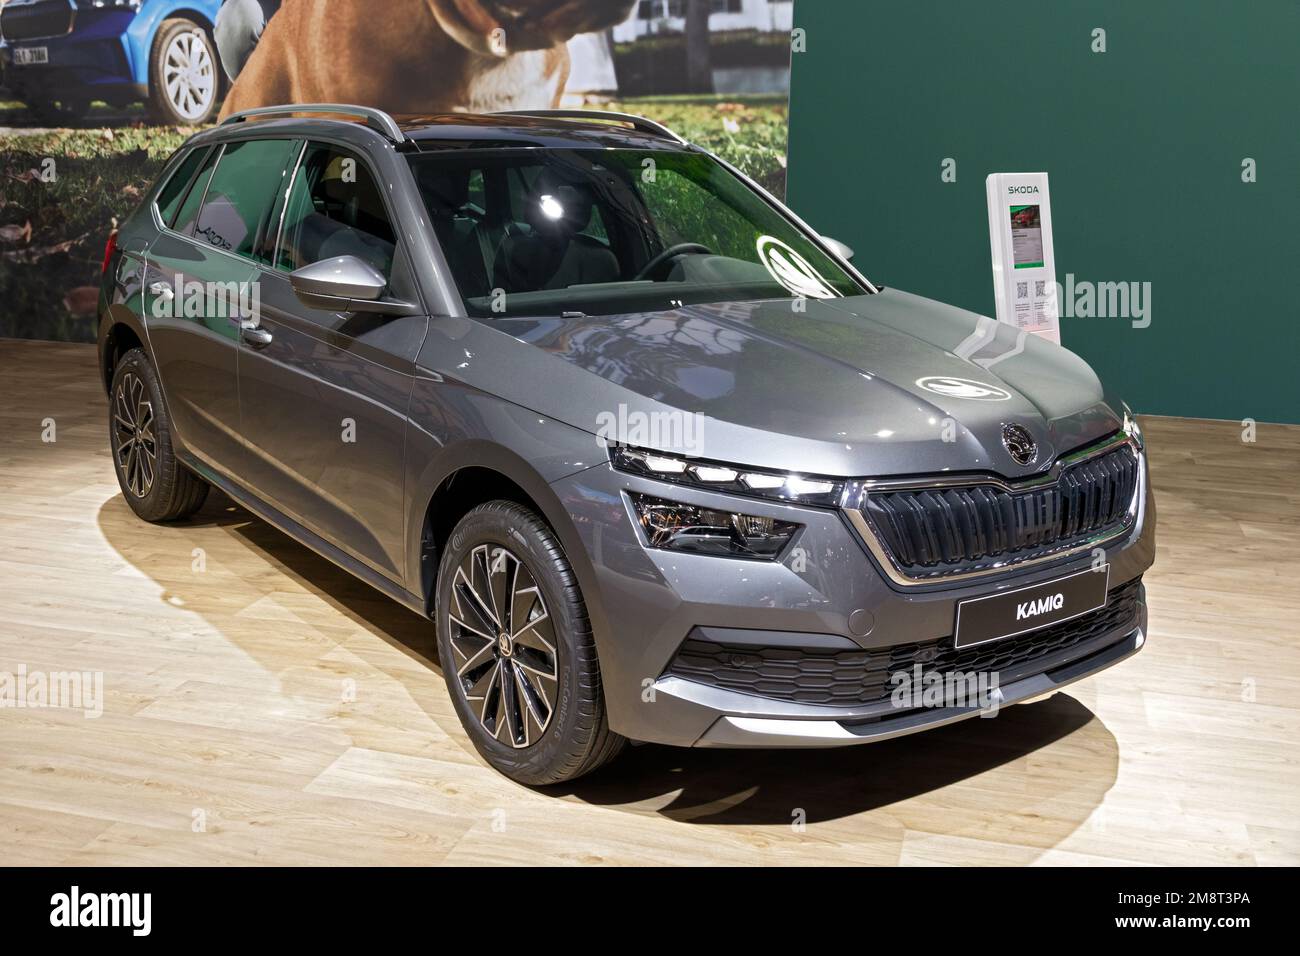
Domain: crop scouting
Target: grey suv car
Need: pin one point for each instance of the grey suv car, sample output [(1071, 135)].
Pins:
[(659, 463)]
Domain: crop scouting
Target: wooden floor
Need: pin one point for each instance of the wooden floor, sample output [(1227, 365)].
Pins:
[(271, 709)]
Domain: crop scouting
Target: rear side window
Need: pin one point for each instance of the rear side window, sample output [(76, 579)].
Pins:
[(169, 198), (236, 210), (189, 210)]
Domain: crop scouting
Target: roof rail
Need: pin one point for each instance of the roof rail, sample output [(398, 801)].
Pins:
[(639, 123), (377, 120)]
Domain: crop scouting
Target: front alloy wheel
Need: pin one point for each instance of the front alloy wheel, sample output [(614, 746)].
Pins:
[(184, 83), (504, 643), (516, 648), (188, 74)]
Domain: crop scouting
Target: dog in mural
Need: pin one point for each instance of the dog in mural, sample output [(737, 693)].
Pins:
[(419, 56)]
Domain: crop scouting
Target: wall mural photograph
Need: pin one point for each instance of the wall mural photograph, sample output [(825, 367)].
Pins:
[(95, 97)]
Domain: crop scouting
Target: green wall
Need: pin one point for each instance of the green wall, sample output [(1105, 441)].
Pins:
[(1143, 145)]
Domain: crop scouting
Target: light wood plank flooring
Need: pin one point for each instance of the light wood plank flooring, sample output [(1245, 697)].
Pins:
[(270, 709)]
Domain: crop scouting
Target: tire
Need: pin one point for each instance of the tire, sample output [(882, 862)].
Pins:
[(153, 482), (179, 44), (508, 545), (61, 110)]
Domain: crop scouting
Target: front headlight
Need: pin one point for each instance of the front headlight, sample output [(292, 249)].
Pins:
[(732, 479), (677, 526)]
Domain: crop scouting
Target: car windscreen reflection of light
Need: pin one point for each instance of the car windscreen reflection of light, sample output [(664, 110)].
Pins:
[(792, 270), (551, 207)]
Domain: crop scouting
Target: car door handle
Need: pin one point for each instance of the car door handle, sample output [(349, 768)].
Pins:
[(255, 335), (163, 290)]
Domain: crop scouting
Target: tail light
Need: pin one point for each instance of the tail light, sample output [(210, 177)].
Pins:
[(109, 248)]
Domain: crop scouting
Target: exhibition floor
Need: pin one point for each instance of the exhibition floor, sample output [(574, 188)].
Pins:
[(262, 706)]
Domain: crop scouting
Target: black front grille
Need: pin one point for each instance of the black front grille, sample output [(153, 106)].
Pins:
[(862, 677), (935, 531), (31, 21)]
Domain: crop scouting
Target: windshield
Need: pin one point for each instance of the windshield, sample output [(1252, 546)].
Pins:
[(602, 231)]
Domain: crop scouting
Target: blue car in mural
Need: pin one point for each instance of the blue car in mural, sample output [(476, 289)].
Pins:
[(60, 55)]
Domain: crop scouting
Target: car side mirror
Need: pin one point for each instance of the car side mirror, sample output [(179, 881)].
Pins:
[(839, 248), (346, 284)]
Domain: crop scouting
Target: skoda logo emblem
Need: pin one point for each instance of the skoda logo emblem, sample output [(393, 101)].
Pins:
[(962, 388), (1020, 445)]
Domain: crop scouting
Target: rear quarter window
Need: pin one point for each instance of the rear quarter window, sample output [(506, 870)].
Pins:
[(170, 196), (183, 221)]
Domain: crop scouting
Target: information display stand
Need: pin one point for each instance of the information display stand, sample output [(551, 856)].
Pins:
[(1024, 266)]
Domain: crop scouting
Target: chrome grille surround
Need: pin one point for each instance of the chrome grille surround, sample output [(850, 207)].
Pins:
[(855, 494)]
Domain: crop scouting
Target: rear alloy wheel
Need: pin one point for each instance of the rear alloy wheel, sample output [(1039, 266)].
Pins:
[(183, 75), (516, 648), (135, 444), (154, 483)]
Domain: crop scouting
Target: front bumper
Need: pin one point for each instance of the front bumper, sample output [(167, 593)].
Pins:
[(827, 591), (737, 730), (93, 60)]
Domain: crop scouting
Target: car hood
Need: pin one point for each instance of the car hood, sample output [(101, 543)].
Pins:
[(883, 384)]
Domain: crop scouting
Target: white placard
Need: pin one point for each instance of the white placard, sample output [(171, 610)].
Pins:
[(1024, 265)]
